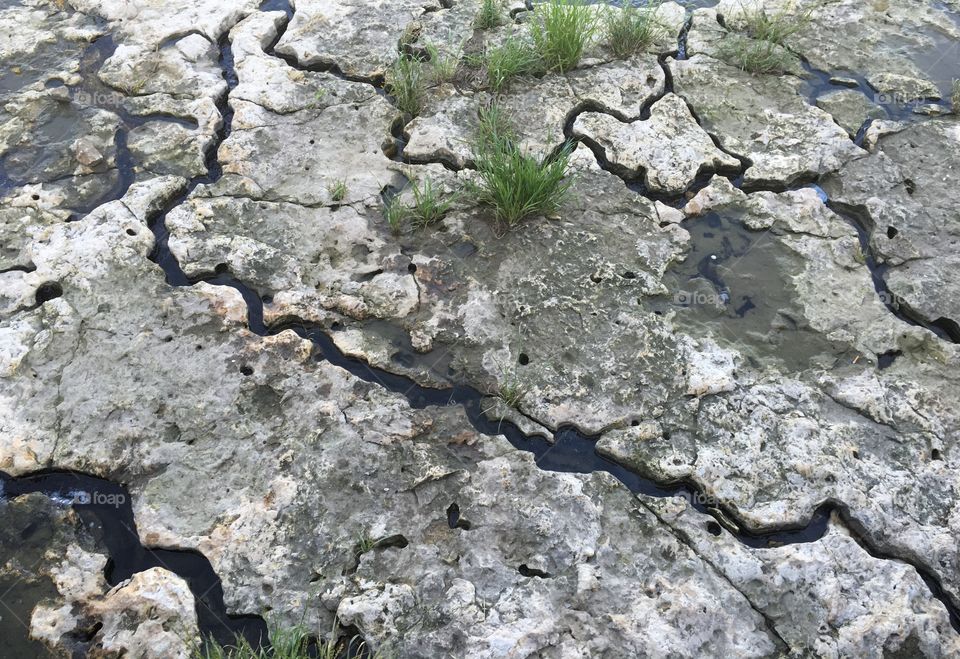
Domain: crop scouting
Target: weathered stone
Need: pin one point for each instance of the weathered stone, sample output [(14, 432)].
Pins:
[(904, 191), (763, 119), (850, 109), (358, 37), (668, 150)]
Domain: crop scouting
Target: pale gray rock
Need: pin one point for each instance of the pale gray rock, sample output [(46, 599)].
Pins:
[(903, 192), (903, 49), (763, 119), (850, 108), (848, 607), (668, 150), (358, 37)]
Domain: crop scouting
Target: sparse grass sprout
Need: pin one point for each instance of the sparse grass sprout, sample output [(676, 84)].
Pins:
[(338, 190)]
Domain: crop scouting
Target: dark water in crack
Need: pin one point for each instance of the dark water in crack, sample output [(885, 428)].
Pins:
[(106, 511)]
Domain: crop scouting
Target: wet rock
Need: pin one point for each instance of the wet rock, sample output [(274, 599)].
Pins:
[(903, 51), (620, 88), (763, 119), (849, 592), (186, 68), (668, 150), (850, 109), (337, 260), (902, 192), (168, 148), (153, 23)]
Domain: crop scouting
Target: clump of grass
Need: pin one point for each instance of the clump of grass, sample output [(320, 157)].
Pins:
[(443, 66), (762, 48), (406, 82), (632, 29), (512, 58), (338, 190), (512, 392), (365, 543), (395, 213), (561, 30), (294, 642), (429, 205), (774, 28), (754, 56), (516, 184), (955, 97), (490, 15)]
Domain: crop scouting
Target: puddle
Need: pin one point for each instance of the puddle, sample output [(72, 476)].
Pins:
[(31, 528), (105, 510), (732, 287)]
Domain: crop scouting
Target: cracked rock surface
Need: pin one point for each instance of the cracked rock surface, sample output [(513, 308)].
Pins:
[(706, 408)]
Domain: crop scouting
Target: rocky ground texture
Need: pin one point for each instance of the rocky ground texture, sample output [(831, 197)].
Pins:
[(709, 408)]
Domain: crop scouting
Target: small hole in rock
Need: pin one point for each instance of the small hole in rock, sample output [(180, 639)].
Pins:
[(635, 423), (892, 232), (48, 291), (35, 197), (524, 359), (935, 455), (412, 268), (131, 232), (246, 370), (267, 299), (629, 275), (221, 269), (713, 528)]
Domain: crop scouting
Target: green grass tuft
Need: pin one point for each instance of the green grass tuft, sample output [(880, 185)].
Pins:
[(512, 58), (512, 392), (754, 56), (396, 214), (631, 30), (294, 642), (490, 15), (774, 28), (561, 30), (407, 84), (760, 46), (365, 543), (516, 184), (338, 190), (443, 66), (429, 205)]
